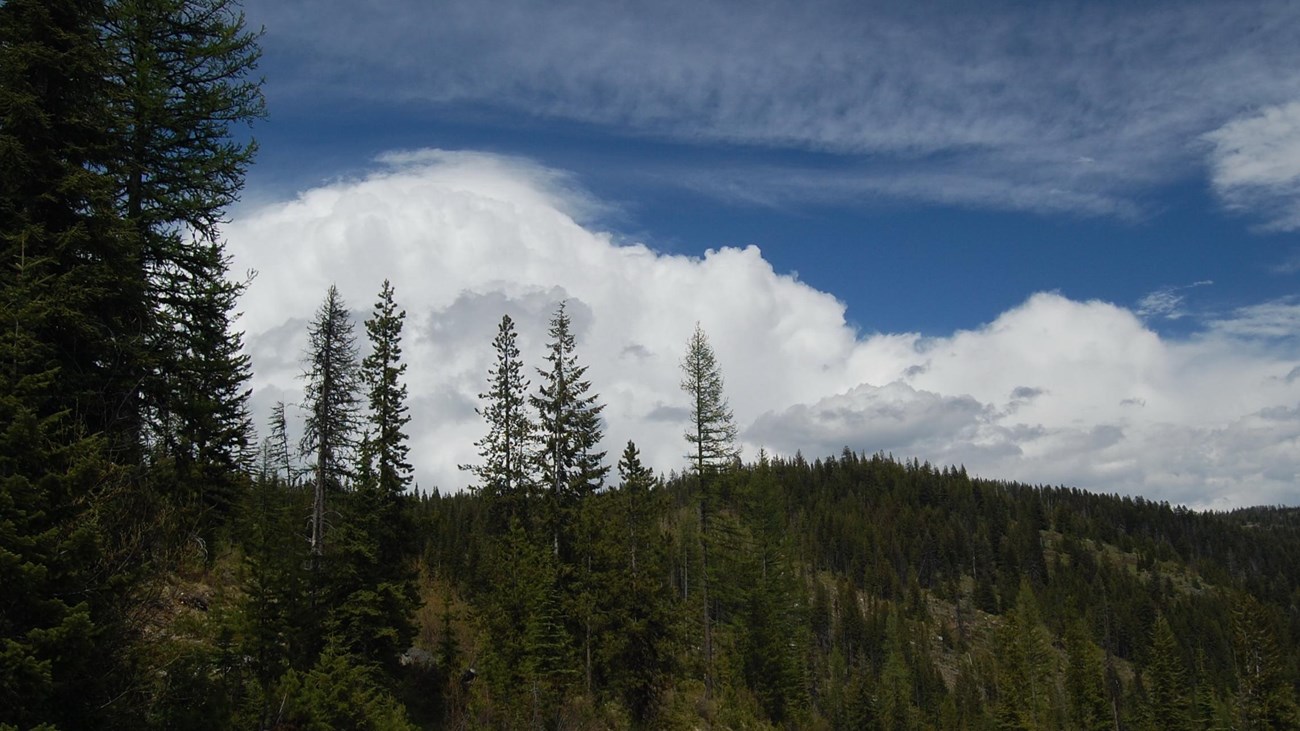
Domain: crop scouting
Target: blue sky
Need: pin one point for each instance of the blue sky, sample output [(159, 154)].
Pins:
[(941, 174)]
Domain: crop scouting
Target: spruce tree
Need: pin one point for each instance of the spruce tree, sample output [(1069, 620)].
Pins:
[(69, 346), (181, 77), (1166, 681), (373, 586), (281, 459), (712, 435), (1085, 680), (504, 472), (331, 401), (382, 370), (568, 429)]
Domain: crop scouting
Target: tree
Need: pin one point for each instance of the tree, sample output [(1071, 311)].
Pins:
[(504, 477), (1085, 680), (1166, 681), (1026, 666), (636, 641), (712, 434), (70, 310), (72, 298), (333, 379), (569, 428), (278, 445), (382, 371), (1265, 698), (180, 76)]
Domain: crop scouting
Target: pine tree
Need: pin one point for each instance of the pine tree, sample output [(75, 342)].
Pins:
[(329, 430), (639, 630), (1027, 666), (72, 297), (382, 370), (180, 75), (1265, 700), (281, 459), (1166, 682), (568, 428), (712, 433), (504, 475), (1085, 680), (69, 348)]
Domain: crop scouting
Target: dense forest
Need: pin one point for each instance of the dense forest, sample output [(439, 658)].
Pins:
[(163, 567)]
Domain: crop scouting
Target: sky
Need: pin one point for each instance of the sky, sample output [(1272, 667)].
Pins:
[(1051, 242)]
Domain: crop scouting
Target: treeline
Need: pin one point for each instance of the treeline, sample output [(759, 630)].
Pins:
[(860, 592)]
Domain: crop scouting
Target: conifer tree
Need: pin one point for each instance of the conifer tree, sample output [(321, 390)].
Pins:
[(181, 78), (69, 314), (374, 588), (281, 458), (568, 428), (712, 435), (1166, 681), (504, 475), (1085, 680), (1027, 666), (1265, 700), (330, 398), (712, 431), (382, 370)]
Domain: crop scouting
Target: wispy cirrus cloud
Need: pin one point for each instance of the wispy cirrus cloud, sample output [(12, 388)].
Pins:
[(1255, 165), (1167, 302), (1050, 107)]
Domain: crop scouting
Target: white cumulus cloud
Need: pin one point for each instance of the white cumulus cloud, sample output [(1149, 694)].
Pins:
[(1054, 390)]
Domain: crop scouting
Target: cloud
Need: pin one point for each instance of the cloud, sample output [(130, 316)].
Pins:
[(1167, 302), (1077, 107), (1045, 393), (1255, 164)]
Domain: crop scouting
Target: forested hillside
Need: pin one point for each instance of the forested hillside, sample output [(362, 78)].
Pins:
[(163, 567)]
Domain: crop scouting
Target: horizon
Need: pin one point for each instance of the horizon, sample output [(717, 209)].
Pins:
[(1059, 250)]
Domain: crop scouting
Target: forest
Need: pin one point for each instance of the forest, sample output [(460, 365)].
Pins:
[(163, 566)]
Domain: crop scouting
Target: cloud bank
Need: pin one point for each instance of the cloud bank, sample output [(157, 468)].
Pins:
[(1080, 107), (1052, 391)]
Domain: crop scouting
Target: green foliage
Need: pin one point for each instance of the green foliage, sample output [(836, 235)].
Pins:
[(1085, 681), (330, 401), (505, 452), (1166, 681), (569, 433), (179, 74), (712, 431), (382, 370), (337, 692)]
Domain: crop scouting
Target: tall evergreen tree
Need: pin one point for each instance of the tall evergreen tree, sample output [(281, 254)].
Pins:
[(1085, 680), (504, 473), (331, 400), (1265, 699), (568, 428), (181, 77), (1026, 666), (1166, 681), (712, 431), (69, 343), (281, 458), (374, 587), (72, 297), (382, 370), (712, 435)]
